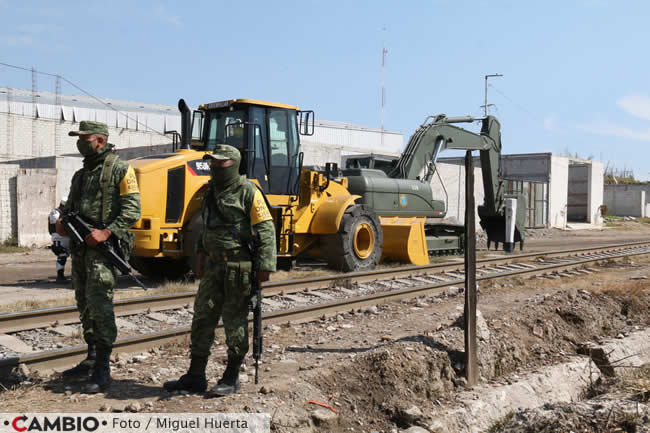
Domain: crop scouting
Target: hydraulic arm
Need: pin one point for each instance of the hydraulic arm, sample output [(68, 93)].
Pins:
[(437, 134)]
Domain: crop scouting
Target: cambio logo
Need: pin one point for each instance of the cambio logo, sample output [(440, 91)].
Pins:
[(58, 423)]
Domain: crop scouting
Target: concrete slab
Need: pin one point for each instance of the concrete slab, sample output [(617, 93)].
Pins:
[(620, 356), (14, 344), (481, 406), (563, 382)]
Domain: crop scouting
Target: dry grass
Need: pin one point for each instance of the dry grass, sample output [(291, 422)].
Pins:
[(34, 304), (296, 275), (638, 384), (10, 245)]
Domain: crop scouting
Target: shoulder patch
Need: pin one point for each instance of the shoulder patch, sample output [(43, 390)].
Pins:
[(259, 210), (129, 183)]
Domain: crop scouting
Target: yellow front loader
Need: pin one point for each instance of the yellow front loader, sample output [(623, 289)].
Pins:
[(314, 213)]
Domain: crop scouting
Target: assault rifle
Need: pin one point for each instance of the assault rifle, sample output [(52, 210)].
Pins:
[(256, 299), (78, 229)]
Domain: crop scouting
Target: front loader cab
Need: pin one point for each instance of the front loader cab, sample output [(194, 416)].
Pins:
[(266, 133)]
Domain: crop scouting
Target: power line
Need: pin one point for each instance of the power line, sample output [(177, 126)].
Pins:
[(83, 91), (522, 108)]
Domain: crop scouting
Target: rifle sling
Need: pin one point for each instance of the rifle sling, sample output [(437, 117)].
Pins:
[(107, 171)]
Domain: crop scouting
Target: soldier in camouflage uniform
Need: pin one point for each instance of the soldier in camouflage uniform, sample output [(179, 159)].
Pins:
[(234, 214), (105, 193)]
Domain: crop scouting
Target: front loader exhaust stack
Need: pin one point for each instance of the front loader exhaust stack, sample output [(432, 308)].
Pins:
[(186, 124)]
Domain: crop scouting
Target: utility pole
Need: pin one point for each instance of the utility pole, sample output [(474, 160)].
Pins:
[(486, 89), (469, 318)]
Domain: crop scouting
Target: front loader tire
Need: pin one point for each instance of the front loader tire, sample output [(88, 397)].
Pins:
[(358, 244)]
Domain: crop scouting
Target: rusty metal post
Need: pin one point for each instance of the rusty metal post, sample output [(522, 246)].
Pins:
[(471, 348)]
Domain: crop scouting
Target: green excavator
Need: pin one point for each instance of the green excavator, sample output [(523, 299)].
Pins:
[(404, 191)]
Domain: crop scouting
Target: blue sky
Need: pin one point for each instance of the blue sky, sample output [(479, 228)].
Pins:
[(576, 73)]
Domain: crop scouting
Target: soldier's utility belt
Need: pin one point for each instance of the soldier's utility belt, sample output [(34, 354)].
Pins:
[(236, 255)]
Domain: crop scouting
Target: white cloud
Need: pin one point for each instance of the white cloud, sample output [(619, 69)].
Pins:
[(613, 130), (636, 105)]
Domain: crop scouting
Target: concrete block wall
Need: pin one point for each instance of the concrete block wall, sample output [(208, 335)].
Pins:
[(578, 192), (8, 218), (35, 195), (16, 140), (533, 167), (622, 202), (631, 187)]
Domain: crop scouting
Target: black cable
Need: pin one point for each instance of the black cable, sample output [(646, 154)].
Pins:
[(83, 91)]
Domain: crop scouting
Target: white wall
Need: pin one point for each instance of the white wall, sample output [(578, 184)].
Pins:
[(452, 175), (596, 192), (557, 187)]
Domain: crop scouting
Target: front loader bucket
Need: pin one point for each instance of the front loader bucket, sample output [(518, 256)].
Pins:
[(404, 240)]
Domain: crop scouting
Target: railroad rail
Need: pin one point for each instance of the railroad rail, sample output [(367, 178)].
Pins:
[(403, 282)]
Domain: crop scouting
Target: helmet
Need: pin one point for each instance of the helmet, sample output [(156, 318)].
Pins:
[(63, 201)]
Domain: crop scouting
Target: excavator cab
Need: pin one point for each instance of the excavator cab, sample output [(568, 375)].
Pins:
[(266, 133)]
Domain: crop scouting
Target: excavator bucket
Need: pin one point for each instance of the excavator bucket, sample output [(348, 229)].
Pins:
[(404, 240), (495, 227)]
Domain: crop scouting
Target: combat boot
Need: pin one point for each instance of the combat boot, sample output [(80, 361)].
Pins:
[(194, 380), (229, 383), (101, 377), (60, 278), (84, 367)]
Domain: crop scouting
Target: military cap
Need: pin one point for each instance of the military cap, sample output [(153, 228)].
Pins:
[(88, 127), (223, 152)]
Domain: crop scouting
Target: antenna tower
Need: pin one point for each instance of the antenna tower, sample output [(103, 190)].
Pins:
[(34, 113), (57, 121)]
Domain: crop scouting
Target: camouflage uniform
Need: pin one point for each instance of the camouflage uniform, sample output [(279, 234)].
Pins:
[(225, 288), (93, 277), (234, 213)]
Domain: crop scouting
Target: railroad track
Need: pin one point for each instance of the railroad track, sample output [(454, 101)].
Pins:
[(304, 299)]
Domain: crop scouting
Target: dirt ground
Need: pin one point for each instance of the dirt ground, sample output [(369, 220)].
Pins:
[(385, 368)]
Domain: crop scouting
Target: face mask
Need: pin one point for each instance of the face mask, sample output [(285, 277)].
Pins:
[(85, 147), (223, 176)]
